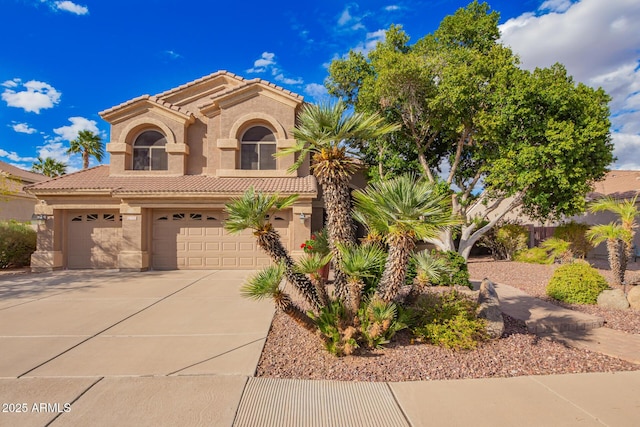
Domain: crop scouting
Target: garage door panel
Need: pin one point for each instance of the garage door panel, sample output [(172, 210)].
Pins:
[(93, 239), (198, 240)]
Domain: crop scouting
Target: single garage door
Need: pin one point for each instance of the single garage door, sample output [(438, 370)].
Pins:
[(188, 239), (94, 239)]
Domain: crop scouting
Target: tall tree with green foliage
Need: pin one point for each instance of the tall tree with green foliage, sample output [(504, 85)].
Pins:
[(49, 167), (497, 136), (324, 132), (88, 144)]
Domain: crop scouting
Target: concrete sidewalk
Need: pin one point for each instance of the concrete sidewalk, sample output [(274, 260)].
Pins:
[(180, 349)]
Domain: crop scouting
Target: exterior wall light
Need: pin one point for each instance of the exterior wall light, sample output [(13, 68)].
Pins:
[(39, 219), (302, 217)]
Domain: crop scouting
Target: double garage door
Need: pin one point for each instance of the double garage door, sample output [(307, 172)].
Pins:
[(190, 239)]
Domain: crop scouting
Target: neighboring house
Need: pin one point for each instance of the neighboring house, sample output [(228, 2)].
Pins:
[(18, 204), (176, 159)]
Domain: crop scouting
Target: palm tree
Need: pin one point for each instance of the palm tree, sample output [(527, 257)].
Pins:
[(428, 269), (360, 262), (615, 235), (49, 167), (88, 144), (627, 211), (311, 264), (323, 132), (251, 211), (266, 284), (402, 210)]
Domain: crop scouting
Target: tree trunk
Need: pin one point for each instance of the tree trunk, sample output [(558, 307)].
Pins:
[(614, 249), (395, 268), (337, 199), (270, 242)]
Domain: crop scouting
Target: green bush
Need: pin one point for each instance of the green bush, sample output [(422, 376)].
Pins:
[(534, 255), (558, 249), (576, 283), (457, 265), (448, 320), (505, 240), (576, 234), (17, 243)]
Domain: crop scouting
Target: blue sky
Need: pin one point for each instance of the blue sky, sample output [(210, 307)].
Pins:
[(62, 62)]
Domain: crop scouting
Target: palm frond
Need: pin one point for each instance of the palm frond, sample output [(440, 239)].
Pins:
[(430, 268), (311, 263), (362, 261), (264, 284), (250, 210)]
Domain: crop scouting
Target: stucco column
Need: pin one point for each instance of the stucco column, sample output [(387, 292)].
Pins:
[(48, 255), (133, 254)]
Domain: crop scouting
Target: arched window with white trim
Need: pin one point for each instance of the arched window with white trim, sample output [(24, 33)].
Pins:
[(149, 151), (258, 145)]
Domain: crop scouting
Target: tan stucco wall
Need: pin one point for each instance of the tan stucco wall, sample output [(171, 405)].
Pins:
[(18, 208)]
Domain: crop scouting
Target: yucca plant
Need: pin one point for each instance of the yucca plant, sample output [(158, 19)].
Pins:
[(334, 323), (311, 264), (251, 211), (402, 210), (360, 263), (323, 132), (267, 284), (379, 322)]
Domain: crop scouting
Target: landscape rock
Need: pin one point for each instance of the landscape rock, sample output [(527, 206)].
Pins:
[(489, 309), (613, 298), (634, 297)]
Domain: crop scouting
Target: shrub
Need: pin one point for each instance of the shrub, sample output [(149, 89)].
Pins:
[(576, 234), (558, 249), (448, 320), (332, 322), (505, 240), (379, 322), (17, 243), (534, 255), (457, 265), (577, 283)]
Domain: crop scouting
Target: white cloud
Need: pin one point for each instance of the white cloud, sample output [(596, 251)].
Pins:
[(316, 91), (67, 133), (371, 41), (598, 43), (55, 150), (172, 54), (288, 81), (14, 157), (347, 20), (23, 128), (627, 149), (69, 6), (260, 65), (36, 95), (392, 8)]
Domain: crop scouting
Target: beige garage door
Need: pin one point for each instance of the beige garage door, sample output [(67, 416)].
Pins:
[(188, 239), (93, 239)]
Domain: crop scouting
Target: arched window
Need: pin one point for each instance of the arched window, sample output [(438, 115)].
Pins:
[(258, 145), (149, 152)]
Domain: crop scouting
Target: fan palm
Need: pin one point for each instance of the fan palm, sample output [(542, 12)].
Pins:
[(428, 269), (323, 132), (627, 211), (251, 211), (402, 210), (89, 145), (359, 263), (615, 235), (266, 284), (49, 167), (311, 264)]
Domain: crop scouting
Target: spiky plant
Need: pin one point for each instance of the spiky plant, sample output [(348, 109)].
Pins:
[(49, 167), (251, 211), (360, 263), (428, 269), (615, 236), (311, 264), (627, 211), (379, 321), (266, 284), (402, 210), (324, 132)]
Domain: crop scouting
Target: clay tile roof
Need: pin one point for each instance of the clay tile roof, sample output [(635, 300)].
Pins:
[(618, 184), (24, 175), (153, 99), (98, 179), (199, 80)]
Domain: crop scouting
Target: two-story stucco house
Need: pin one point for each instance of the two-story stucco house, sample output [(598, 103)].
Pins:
[(176, 159)]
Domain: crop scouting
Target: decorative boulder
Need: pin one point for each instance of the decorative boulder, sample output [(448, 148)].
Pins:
[(634, 297), (489, 309), (613, 298)]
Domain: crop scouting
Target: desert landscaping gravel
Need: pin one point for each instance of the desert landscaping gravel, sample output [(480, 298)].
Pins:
[(292, 352)]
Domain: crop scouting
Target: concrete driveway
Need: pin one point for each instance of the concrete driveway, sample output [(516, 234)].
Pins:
[(116, 343)]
